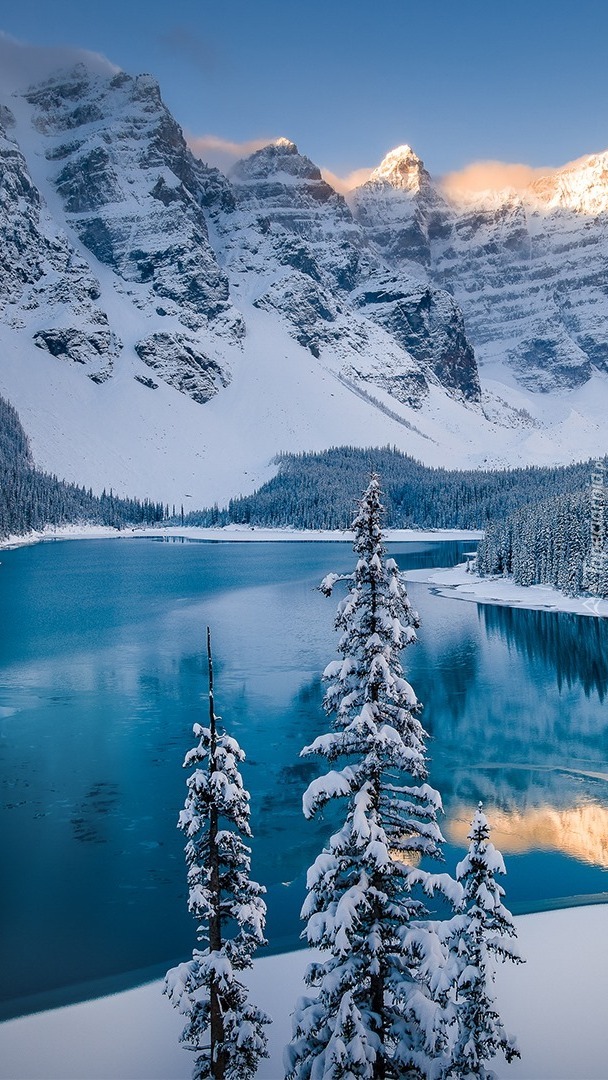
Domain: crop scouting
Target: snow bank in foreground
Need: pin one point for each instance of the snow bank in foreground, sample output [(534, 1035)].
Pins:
[(554, 1004), (229, 533), (456, 582)]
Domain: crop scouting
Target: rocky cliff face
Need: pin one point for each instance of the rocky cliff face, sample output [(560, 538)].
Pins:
[(126, 261), (46, 288), (131, 189), (527, 271), (397, 206), (428, 324), (129, 196), (307, 259), (530, 275), (132, 195), (395, 288), (23, 248)]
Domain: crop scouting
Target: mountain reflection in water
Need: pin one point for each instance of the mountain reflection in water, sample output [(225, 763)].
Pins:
[(514, 702), (579, 831), (577, 653)]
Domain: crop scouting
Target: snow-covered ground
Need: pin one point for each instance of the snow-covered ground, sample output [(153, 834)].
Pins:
[(165, 446), (554, 1004), (458, 583)]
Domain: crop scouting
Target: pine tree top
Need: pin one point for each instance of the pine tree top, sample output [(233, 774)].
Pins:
[(367, 522), (482, 856), (219, 785)]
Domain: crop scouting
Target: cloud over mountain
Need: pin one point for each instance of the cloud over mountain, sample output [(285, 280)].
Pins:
[(347, 183), (491, 176), (214, 150), (22, 64)]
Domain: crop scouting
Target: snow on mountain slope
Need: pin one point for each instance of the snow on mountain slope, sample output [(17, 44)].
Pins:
[(163, 444), (528, 270), (160, 442), (152, 274), (166, 330), (304, 257)]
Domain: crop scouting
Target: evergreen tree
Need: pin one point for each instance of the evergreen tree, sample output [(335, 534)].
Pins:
[(483, 932), (30, 499), (225, 1031), (548, 543), (375, 1014)]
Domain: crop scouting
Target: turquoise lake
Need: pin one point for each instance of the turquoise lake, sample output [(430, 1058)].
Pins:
[(103, 674)]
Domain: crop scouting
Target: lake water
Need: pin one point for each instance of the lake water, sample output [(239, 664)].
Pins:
[(103, 673)]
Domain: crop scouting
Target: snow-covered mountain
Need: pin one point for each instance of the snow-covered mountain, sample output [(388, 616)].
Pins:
[(166, 330), (528, 269)]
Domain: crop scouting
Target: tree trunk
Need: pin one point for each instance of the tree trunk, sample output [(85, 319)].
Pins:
[(218, 1057), (377, 981)]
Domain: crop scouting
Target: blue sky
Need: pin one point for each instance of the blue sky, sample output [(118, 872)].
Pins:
[(460, 82)]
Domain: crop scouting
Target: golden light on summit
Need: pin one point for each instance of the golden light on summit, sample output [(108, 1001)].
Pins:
[(580, 831)]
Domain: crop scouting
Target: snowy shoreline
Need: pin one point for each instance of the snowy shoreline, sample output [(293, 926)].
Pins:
[(456, 583), (228, 534), (134, 1035)]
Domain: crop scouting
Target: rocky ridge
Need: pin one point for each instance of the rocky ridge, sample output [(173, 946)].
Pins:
[(262, 309), (527, 270), (43, 281), (131, 194), (305, 257)]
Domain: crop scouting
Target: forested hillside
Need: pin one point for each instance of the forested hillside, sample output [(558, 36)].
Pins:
[(320, 491), (547, 544), (30, 499)]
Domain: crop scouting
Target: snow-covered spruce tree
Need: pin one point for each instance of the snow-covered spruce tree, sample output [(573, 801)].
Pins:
[(483, 933), (375, 1014), (225, 1031)]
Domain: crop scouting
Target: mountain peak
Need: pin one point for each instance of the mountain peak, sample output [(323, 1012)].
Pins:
[(580, 186), (402, 169), (285, 144), (279, 157)]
